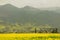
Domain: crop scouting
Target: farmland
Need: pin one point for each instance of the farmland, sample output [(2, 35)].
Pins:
[(30, 36)]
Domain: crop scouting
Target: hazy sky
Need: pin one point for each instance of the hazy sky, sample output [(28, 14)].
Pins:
[(34, 3)]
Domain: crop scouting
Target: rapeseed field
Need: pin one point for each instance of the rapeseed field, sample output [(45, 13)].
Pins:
[(30, 36)]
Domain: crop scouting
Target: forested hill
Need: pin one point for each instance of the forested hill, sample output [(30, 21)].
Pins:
[(28, 14)]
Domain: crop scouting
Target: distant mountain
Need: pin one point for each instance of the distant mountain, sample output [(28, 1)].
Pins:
[(8, 9), (30, 8), (12, 14), (52, 9)]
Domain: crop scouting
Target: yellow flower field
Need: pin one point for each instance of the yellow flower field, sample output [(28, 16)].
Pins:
[(30, 36)]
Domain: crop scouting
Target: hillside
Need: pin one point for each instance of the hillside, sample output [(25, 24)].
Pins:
[(11, 14)]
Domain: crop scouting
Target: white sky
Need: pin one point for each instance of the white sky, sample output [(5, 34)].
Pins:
[(34, 3)]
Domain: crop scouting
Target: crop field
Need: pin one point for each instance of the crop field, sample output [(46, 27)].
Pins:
[(30, 36)]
